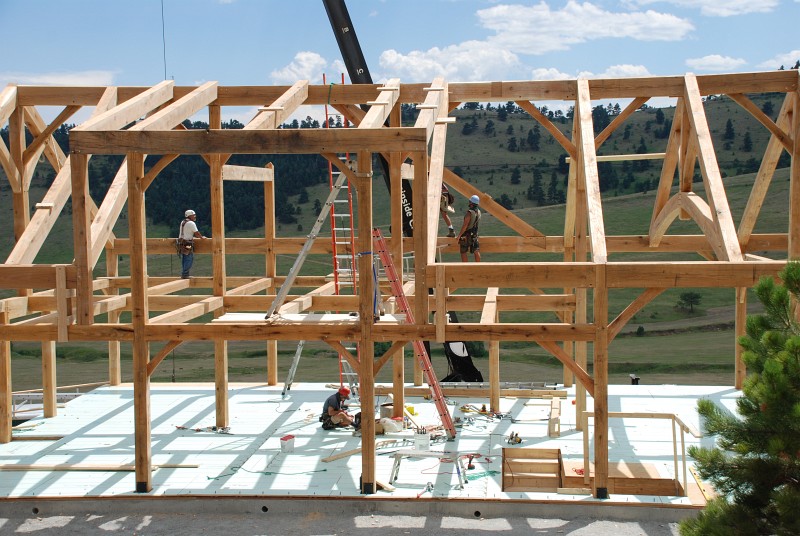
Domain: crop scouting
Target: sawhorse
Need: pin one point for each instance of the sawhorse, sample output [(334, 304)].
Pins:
[(458, 463)]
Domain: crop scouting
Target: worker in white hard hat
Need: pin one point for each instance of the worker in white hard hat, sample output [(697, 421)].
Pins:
[(185, 244), (468, 235)]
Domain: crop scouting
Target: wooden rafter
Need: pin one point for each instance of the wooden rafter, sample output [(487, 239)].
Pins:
[(776, 130), (715, 191), (618, 120), (43, 219), (43, 136), (559, 136), (436, 173), (588, 164), (508, 218), (272, 116), (381, 107), (671, 158), (637, 305), (764, 177)]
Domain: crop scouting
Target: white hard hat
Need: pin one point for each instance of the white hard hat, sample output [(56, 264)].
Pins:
[(189, 212), (475, 200)]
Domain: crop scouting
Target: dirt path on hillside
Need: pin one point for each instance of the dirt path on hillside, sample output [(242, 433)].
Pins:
[(715, 316)]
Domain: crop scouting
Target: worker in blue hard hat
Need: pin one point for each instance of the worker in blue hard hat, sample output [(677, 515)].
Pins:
[(468, 236)]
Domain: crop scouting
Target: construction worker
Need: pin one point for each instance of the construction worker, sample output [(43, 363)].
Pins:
[(186, 235), (446, 206), (468, 235), (334, 412)]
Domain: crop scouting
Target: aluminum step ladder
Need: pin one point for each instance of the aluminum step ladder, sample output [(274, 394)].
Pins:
[(345, 273), (379, 247), (280, 297), (287, 385), (347, 375)]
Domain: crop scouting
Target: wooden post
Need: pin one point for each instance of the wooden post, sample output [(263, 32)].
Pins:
[(740, 370), (396, 248), (272, 271), (219, 286), (600, 383), (420, 207), (139, 319), (82, 237), (494, 375), (5, 386), (114, 354), (20, 184), (581, 251), (794, 183), (366, 289), (49, 378)]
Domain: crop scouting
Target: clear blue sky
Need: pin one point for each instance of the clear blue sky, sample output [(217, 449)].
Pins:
[(258, 42)]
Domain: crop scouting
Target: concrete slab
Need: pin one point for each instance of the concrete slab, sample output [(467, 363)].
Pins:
[(247, 461)]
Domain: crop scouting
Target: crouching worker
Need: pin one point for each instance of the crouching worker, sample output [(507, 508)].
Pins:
[(334, 412)]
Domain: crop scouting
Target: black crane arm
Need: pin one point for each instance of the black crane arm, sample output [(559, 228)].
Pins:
[(358, 72)]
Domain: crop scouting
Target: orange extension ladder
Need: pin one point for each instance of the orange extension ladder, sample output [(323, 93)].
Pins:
[(379, 245)]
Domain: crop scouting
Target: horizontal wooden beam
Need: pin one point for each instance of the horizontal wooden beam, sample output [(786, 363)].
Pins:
[(41, 276), (477, 392), (690, 274), (248, 173), (499, 91), (514, 275), (282, 141)]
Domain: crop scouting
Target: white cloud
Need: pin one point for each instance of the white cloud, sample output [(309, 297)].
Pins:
[(549, 74), (468, 61), (614, 71), (617, 71), (715, 62), (529, 30), (625, 70), (539, 29), (787, 60), (304, 66), (75, 78), (718, 8)]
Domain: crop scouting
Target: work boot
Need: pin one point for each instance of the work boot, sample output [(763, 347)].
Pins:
[(451, 233)]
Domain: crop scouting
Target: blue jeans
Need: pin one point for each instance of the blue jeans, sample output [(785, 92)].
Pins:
[(186, 264)]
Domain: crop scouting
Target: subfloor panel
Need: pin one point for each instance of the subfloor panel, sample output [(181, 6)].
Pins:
[(94, 450)]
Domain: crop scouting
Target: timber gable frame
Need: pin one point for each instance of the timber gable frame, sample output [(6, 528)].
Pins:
[(72, 297)]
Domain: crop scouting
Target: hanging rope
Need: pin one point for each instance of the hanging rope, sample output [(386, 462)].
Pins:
[(164, 39)]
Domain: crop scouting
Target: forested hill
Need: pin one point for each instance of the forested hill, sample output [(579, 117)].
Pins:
[(501, 150)]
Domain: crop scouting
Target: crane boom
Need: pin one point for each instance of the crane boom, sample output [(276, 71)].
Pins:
[(358, 72)]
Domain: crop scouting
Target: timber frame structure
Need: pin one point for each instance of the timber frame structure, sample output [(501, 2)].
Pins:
[(61, 302)]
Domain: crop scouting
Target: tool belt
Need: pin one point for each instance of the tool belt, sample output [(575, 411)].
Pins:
[(183, 246)]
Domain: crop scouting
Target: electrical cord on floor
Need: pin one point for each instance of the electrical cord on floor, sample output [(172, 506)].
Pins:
[(238, 468)]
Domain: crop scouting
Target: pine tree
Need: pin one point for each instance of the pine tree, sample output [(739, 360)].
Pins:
[(756, 466), (729, 132), (747, 142)]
